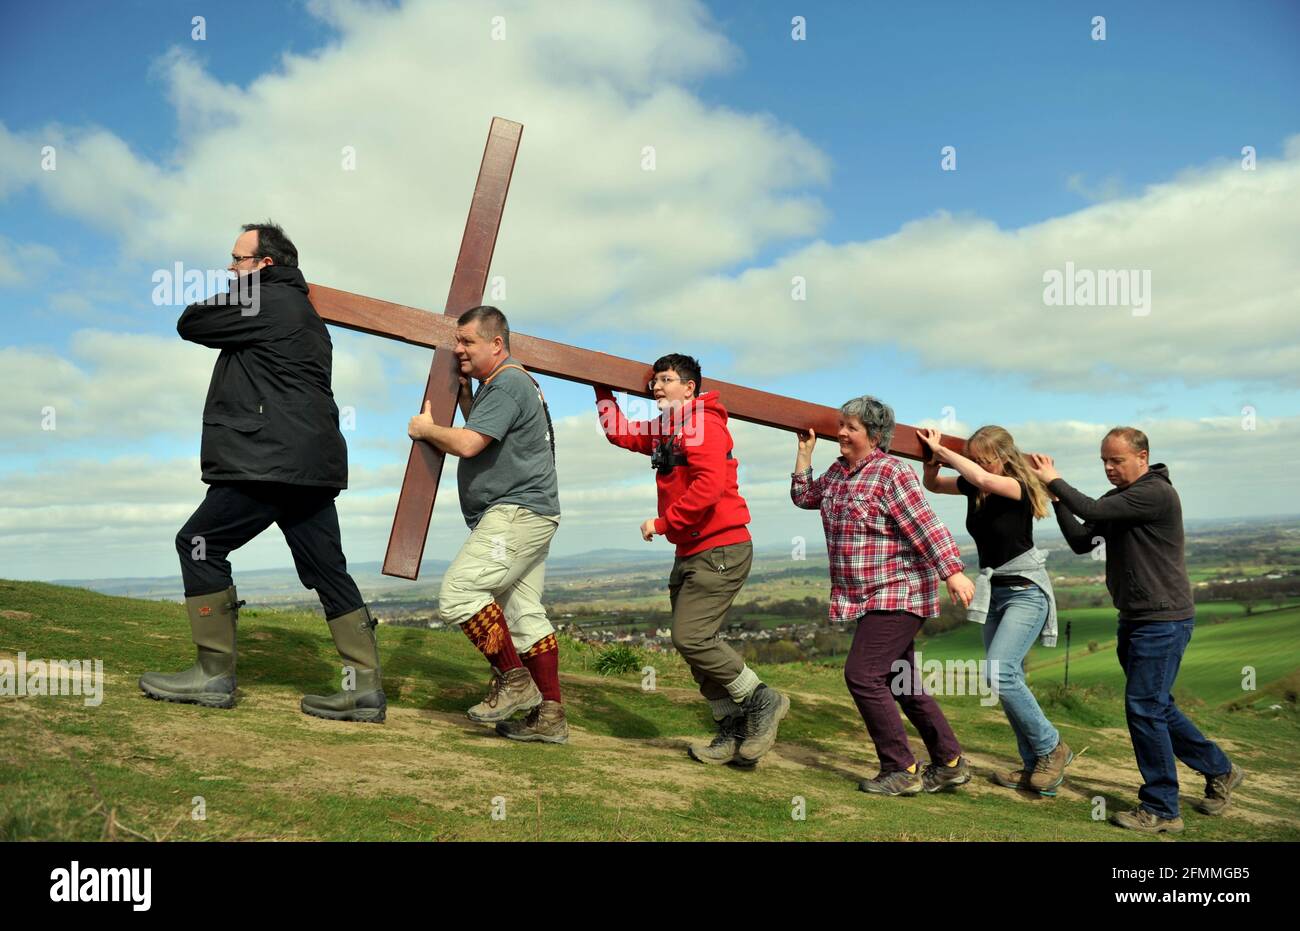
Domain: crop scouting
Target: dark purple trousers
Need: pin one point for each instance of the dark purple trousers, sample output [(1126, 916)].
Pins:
[(883, 638)]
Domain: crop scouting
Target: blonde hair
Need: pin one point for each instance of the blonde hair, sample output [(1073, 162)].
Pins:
[(996, 442)]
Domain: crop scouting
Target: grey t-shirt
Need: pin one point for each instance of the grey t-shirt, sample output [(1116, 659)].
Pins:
[(516, 467)]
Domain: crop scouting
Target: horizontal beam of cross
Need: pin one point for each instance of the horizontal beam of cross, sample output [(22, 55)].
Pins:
[(546, 357)]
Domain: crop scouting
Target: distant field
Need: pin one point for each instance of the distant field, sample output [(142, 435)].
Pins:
[(1225, 641)]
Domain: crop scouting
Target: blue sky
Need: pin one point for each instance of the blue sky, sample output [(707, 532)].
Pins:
[(1050, 127)]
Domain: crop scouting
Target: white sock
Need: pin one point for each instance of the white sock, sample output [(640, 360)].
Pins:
[(743, 685)]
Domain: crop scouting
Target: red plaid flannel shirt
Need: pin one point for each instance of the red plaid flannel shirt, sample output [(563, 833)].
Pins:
[(887, 547)]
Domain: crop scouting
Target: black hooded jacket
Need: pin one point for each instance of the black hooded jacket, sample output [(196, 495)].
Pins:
[(270, 414), (1146, 568)]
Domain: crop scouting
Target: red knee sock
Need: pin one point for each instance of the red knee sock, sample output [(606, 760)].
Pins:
[(487, 630), (543, 661)]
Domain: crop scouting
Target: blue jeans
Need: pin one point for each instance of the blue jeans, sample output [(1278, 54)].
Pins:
[(1015, 619), (1150, 655)]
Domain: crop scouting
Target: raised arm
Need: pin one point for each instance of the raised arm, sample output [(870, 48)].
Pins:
[(636, 435), (1078, 536), (982, 479), (805, 491), (1140, 501), (930, 477)]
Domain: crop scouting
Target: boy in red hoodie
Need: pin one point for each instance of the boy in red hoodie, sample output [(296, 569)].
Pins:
[(702, 512)]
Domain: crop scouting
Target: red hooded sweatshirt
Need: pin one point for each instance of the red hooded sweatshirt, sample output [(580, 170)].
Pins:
[(700, 506)]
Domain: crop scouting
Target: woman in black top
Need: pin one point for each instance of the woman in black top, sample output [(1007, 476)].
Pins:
[(1003, 500)]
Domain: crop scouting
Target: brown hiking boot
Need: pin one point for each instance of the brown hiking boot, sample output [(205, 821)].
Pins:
[(1019, 779), (1218, 791), (509, 692), (546, 723), (1049, 771), (899, 782), (1013, 779), (1147, 823)]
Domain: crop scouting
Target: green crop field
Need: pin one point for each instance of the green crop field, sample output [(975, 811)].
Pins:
[(131, 767)]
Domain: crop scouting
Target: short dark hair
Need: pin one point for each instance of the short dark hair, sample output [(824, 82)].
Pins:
[(1136, 439), (491, 323), (273, 244), (687, 368)]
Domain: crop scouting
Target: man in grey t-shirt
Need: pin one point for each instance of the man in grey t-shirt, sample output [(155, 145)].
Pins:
[(509, 496), (519, 468)]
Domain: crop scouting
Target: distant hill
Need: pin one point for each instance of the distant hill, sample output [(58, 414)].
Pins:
[(269, 586), (1213, 546)]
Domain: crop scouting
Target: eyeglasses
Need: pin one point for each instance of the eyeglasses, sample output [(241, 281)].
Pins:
[(661, 380), (236, 259)]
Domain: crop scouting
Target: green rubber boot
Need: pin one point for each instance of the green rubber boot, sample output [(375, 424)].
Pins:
[(211, 680), (354, 636)]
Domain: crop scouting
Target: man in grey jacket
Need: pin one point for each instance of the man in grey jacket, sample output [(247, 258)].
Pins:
[(1139, 523)]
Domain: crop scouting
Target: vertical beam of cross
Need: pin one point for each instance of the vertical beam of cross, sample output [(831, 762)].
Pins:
[(424, 466)]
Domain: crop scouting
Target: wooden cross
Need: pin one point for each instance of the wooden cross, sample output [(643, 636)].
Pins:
[(545, 357)]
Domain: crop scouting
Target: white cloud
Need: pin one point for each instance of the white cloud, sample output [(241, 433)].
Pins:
[(84, 518), (411, 90), (961, 292), (118, 389), (23, 262)]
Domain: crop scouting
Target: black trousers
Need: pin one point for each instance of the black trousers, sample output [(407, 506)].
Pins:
[(235, 512)]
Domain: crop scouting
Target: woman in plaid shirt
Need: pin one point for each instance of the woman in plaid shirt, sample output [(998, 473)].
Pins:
[(887, 552)]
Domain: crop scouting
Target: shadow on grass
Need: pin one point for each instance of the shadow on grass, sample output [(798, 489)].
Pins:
[(606, 711), (442, 685), (266, 656)]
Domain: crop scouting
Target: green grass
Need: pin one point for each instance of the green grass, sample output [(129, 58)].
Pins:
[(132, 767)]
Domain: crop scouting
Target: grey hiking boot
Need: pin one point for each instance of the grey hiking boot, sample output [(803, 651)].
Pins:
[(722, 749), (764, 709), (899, 782), (1146, 822), (211, 680), (1049, 771), (1218, 791), (936, 777), (509, 692), (354, 637), (546, 723)]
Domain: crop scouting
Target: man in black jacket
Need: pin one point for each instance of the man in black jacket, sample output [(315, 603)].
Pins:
[(271, 453), (1139, 523)]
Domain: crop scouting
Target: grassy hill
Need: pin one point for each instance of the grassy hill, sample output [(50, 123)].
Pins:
[(133, 767)]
